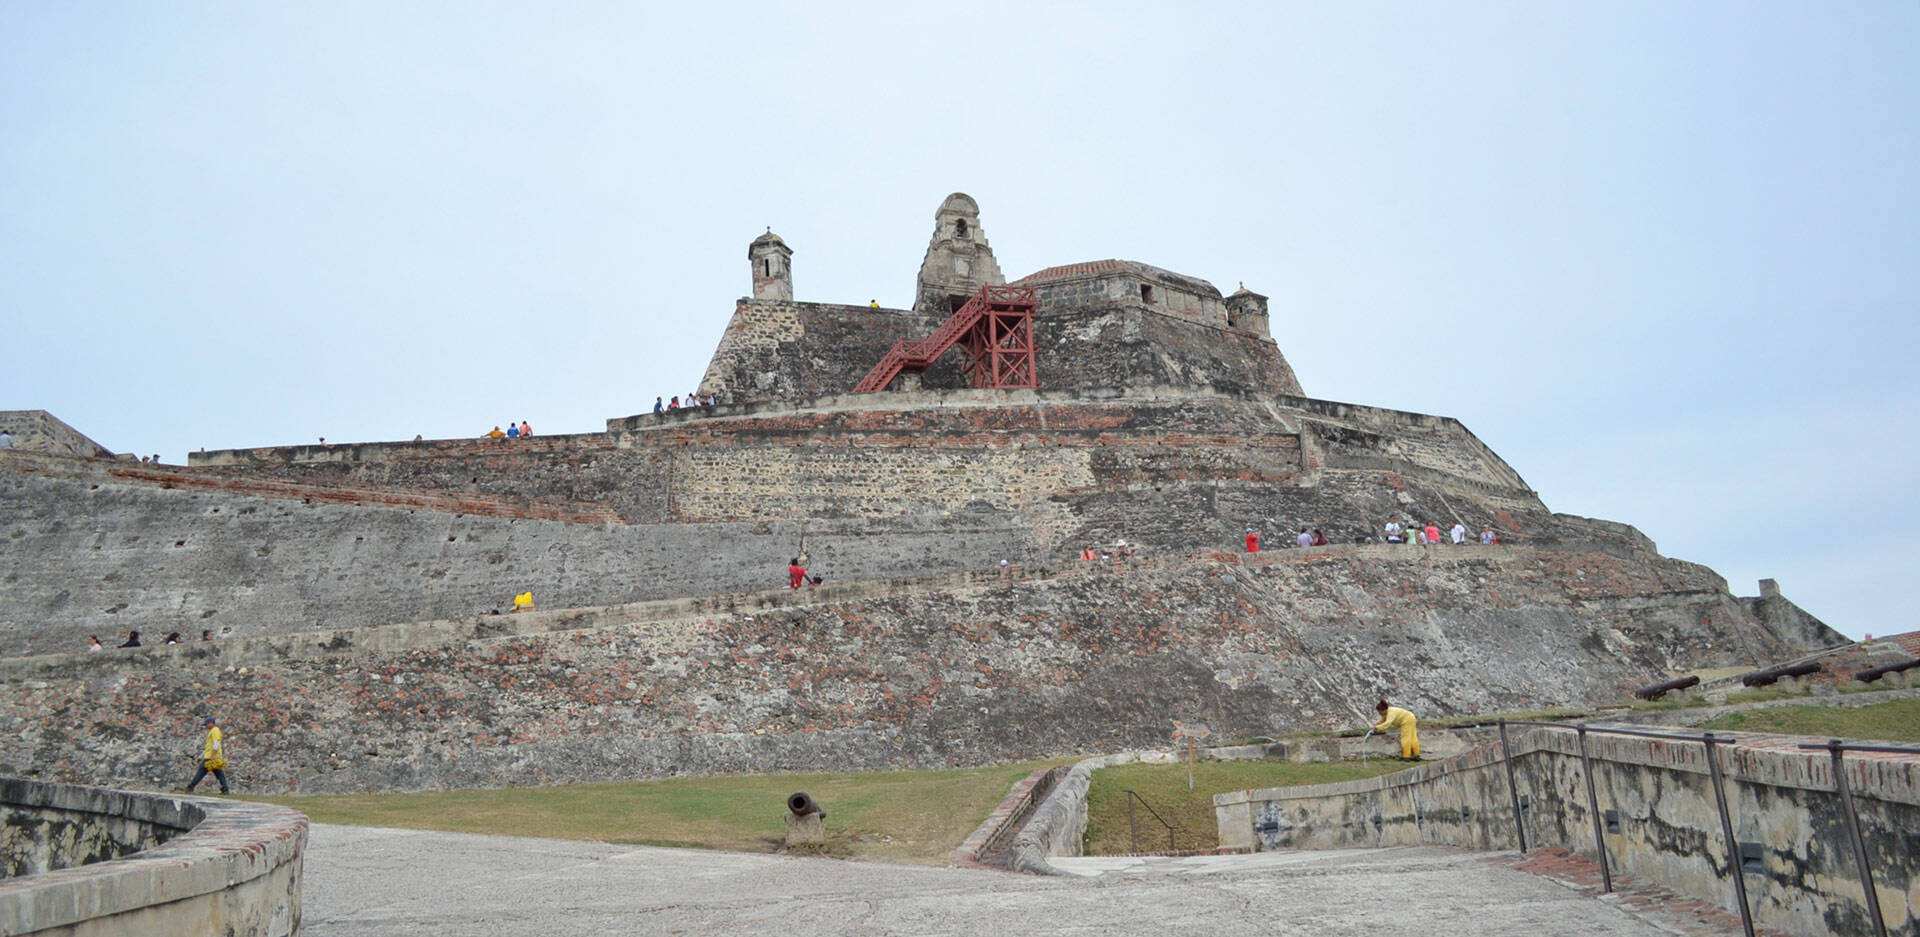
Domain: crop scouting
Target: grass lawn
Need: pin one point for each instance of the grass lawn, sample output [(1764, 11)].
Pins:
[(1164, 787), (899, 816), (1897, 721)]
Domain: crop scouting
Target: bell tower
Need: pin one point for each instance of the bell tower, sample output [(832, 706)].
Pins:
[(772, 264), (958, 261)]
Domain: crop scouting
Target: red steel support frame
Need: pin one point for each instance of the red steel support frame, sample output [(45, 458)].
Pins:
[(994, 329)]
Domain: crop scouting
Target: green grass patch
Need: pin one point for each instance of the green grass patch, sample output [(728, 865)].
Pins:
[(899, 816), (1190, 812), (1896, 721)]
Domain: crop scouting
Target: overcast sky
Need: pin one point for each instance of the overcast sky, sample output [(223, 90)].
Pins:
[(1661, 257)]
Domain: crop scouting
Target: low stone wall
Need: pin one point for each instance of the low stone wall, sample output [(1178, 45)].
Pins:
[(1659, 816), (1058, 826), (85, 861)]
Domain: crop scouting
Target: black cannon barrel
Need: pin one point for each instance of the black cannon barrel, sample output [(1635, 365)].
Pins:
[(1661, 689), (801, 805), (1772, 675), (1871, 674)]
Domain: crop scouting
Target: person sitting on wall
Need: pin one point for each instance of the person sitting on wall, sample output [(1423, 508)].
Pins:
[(1304, 538), (1253, 541), (1458, 533), (1319, 538), (796, 574), (173, 638), (673, 404), (93, 643), (1393, 717), (1395, 533), (133, 639), (523, 602), (526, 429), (6, 439), (1487, 537), (206, 634), (1430, 533), (513, 430), (1086, 554), (495, 433), (657, 405)]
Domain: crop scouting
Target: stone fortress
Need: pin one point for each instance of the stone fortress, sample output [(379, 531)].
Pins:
[(351, 582)]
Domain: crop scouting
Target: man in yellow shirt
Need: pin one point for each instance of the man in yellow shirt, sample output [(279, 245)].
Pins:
[(1393, 717), (495, 433), (213, 758)]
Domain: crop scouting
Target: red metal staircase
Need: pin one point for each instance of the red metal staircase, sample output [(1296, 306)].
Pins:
[(995, 330)]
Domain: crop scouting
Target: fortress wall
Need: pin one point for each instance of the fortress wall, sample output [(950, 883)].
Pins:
[(40, 431), (102, 556), (948, 675), (791, 351), (1127, 345), (924, 459)]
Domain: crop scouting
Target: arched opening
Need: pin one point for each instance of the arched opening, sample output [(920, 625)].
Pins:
[(960, 228)]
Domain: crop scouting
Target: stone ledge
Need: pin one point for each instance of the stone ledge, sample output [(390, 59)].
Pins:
[(226, 844)]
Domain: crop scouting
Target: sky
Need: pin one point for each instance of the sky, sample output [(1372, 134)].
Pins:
[(1661, 257)]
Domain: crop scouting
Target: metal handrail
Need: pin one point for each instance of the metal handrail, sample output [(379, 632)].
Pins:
[(1838, 748), (1708, 740), (1134, 826)]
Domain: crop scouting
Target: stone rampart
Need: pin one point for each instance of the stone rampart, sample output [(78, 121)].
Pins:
[(1660, 819), (91, 553), (932, 675), (90, 862), (40, 431)]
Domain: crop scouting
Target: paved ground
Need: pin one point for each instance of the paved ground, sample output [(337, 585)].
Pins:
[(362, 881)]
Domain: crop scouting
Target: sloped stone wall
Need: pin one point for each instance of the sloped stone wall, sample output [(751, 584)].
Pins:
[(1096, 658)]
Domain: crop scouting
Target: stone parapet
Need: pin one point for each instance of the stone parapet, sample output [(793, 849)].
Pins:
[(1660, 822), (211, 868)]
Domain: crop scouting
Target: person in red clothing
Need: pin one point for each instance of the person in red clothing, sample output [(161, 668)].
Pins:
[(1433, 533), (1253, 541), (796, 574)]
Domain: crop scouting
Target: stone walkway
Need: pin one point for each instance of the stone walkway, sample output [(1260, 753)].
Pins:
[(362, 881)]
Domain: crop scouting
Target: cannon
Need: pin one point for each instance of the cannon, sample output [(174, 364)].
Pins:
[(1871, 674), (1661, 689), (800, 805), (1773, 674), (804, 816)]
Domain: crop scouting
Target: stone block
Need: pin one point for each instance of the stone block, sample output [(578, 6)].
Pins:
[(808, 830)]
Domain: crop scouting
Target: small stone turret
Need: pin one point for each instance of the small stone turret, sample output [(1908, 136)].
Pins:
[(772, 262), (958, 261), (1247, 311)]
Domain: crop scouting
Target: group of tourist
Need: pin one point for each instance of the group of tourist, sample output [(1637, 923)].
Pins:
[(513, 431), (133, 640), (692, 400), (1394, 532), (1123, 550), (1415, 533)]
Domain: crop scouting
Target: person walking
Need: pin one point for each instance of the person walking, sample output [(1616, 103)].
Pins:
[(213, 758), (133, 639), (1393, 717)]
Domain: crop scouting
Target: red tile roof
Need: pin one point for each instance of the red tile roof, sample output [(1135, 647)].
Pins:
[(1075, 270)]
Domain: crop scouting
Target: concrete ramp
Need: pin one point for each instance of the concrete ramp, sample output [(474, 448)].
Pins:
[(363, 882)]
